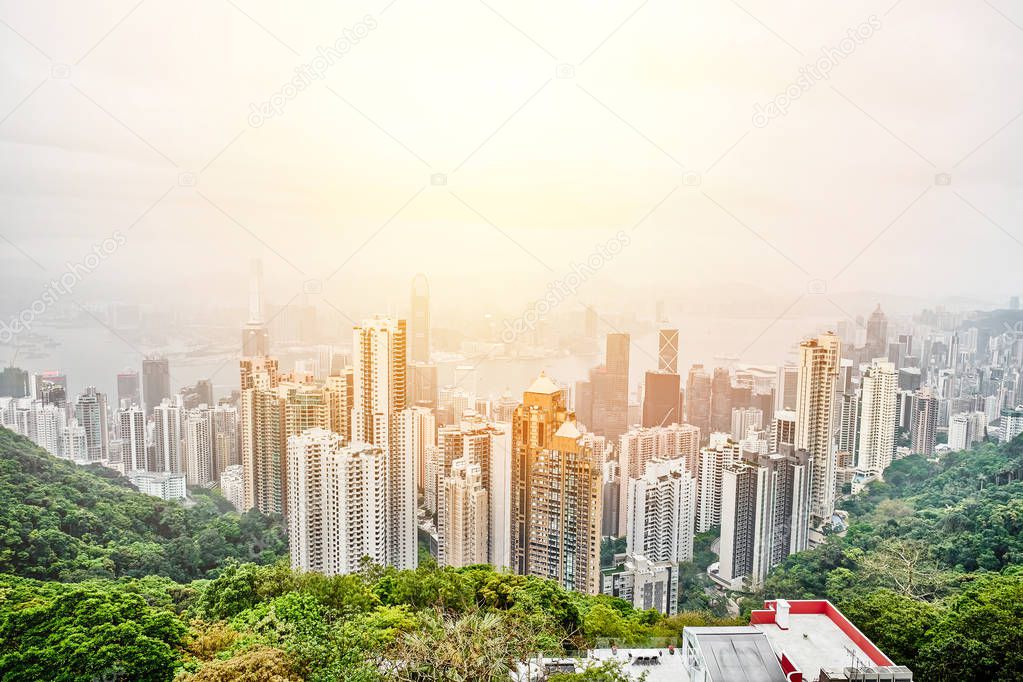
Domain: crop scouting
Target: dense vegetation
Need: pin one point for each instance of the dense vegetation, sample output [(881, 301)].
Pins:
[(60, 521), (932, 565)]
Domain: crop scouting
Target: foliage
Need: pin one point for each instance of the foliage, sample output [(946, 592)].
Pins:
[(61, 521)]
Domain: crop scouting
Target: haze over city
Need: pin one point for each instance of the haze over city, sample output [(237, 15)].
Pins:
[(392, 340)]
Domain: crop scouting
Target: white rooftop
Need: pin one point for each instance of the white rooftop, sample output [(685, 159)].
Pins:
[(813, 641), (569, 430), (543, 384)]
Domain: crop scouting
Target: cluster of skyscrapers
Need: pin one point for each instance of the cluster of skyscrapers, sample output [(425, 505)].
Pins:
[(369, 459)]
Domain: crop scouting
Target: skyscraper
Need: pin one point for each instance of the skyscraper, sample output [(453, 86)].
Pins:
[(877, 333), (419, 322), (168, 437), (13, 382), (878, 414), (815, 419), (379, 397), (91, 413), (667, 351), (924, 425), (465, 519), (128, 393), (763, 515), (261, 418), (721, 400), (556, 492), (698, 392), (255, 338), (662, 399), (155, 382), (609, 390), (661, 512), (132, 427)]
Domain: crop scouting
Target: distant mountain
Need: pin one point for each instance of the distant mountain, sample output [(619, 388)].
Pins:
[(62, 521)]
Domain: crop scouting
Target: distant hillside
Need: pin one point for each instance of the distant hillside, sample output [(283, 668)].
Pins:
[(61, 521)]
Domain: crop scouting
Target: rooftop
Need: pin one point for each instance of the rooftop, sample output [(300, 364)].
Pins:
[(660, 665), (816, 635), (543, 384)]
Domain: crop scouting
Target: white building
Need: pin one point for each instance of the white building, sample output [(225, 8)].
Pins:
[(639, 446), (661, 512), (713, 460), (379, 418), (644, 583), (50, 421), (232, 485), (815, 418), (744, 419), (878, 415), (200, 467), (166, 486), (464, 519), (132, 425), (168, 435), (337, 503)]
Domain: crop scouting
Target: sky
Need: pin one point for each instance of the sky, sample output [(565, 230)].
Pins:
[(496, 145)]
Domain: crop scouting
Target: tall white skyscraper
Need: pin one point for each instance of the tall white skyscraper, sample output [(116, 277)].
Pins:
[(713, 460), (200, 468), (132, 421), (50, 421), (464, 516), (379, 399), (168, 435), (878, 414), (744, 419), (661, 512), (355, 510), (815, 419), (337, 510)]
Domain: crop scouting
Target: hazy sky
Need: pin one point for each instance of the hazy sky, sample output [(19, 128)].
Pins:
[(554, 126)]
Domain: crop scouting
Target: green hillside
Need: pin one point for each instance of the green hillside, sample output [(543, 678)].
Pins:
[(61, 521), (932, 565)]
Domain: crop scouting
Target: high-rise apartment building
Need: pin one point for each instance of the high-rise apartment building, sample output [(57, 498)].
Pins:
[(339, 503), (744, 419), (924, 425), (712, 463), (877, 333), (639, 446), (815, 419), (661, 512), (226, 438), (464, 516), (168, 437), (556, 492), (200, 448), (1012, 423), (340, 388), (262, 426), (91, 413), (380, 396), (878, 417), (132, 428), (763, 516)]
